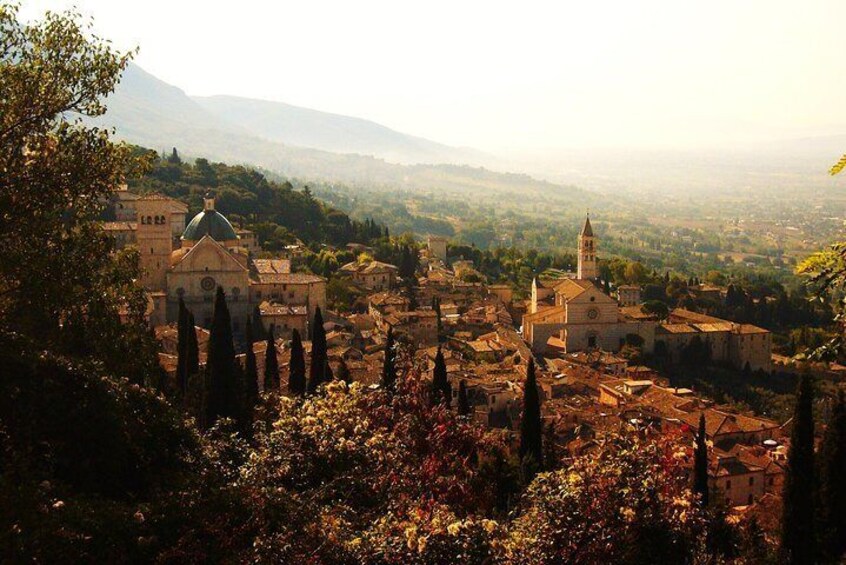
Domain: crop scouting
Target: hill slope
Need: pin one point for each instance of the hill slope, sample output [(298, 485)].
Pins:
[(149, 112), (304, 127)]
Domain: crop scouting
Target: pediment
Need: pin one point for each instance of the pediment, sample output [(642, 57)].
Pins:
[(594, 293), (207, 254)]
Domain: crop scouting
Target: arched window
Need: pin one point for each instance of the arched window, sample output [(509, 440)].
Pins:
[(149, 219)]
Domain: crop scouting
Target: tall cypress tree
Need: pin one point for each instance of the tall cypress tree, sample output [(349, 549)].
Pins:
[(271, 363), (221, 386), (317, 371), (531, 427), (436, 306), (463, 403), (441, 391), (182, 348), (344, 372), (798, 535), (193, 352), (700, 463), (389, 374), (251, 390), (258, 326), (296, 372), (832, 489)]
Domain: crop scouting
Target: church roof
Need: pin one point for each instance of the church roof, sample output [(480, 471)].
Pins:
[(572, 288), (212, 223), (587, 230)]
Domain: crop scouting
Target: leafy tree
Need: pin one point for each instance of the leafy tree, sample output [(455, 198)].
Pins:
[(627, 503), (317, 373), (700, 463), (59, 279), (296, 373), (798, 536), (441, 390), (389, 374), (832, 490), (271, 363), (221, 386), (174, 158), (656, 308), (531, 426), (79, 454)]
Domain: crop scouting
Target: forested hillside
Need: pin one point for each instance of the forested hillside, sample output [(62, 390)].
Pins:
[(276, 211)]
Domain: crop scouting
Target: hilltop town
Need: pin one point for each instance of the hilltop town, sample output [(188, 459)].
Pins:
[(340, 358), (588, 345)]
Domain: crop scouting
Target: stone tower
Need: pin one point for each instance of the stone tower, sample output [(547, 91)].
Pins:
[(587, 268), (155, 240)]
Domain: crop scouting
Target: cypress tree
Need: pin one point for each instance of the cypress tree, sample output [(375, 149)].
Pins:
[(271, 363), (251, 389), (463, 403), (798, 536), (436, 306), (193, 352), (700, 464), (296, 374), (389, 375), (441, 391), (408, 284), (221, 385), (531, 444), (344, 372), (317, 371), (258, 327), (832, 489), (182, 348)]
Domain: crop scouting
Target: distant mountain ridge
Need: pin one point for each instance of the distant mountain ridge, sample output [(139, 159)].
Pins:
[(149, 112), (304, 127)]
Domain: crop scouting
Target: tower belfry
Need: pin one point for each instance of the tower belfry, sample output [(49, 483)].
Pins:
[(587, 265)]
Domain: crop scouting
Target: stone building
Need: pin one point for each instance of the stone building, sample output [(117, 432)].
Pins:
[(211, 254), (572, 314), (628, 295), (437, 247), (372, 275)]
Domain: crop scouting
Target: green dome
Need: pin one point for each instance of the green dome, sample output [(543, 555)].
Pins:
[(209, 222)]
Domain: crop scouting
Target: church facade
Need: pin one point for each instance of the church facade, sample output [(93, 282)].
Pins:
[(574, 314), (210, 254)]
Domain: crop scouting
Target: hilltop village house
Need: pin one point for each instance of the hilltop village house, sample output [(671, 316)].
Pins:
[(372, 275), (210, 253), (573, 314)]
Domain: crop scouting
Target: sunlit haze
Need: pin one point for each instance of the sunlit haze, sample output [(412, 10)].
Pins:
[(509, 76)]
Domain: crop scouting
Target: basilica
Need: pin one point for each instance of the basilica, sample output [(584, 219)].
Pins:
[(208, 254), (572, 314)]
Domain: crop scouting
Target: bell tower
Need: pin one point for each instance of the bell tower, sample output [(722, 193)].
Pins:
[(587, 267), (155, 240)]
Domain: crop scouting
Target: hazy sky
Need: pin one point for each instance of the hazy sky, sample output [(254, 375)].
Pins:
[(516, 75)]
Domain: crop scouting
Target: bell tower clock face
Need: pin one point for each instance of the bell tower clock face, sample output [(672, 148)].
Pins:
[(207, 284), (593, 313)]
